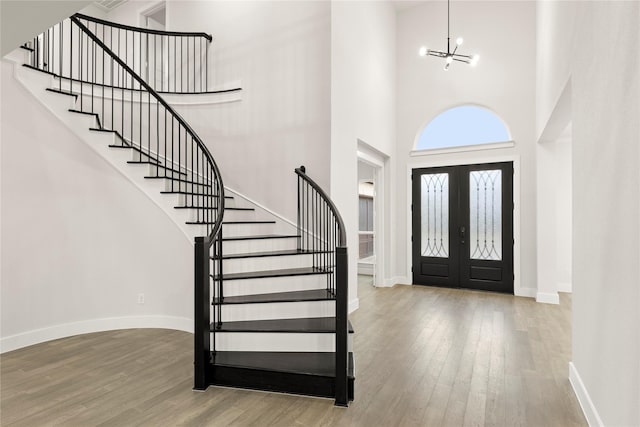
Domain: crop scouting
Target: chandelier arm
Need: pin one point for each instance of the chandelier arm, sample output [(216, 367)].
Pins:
[(462, 56), (466, 61)]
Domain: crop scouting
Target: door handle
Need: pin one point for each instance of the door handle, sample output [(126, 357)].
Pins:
[(462, 234)]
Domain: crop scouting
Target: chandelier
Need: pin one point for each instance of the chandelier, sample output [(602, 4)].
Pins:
[(450, 56)]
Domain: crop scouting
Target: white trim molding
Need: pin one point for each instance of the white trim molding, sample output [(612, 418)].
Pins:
[(37, 336), (463, 148), (588, 408), (565, 287), (354, 304), (548, 297)]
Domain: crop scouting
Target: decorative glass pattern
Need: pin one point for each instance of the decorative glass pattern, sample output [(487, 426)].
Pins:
[(434, 211), (485, 210)]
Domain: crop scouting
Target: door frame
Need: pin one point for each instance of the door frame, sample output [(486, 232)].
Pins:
[(470, 158), (366, 154)]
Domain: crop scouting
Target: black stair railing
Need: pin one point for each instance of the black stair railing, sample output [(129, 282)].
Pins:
[(321, 232), (169, 61), (123, 103)]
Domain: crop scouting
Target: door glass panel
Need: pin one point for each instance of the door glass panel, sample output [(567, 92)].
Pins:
[(485, 210), (434, 211)]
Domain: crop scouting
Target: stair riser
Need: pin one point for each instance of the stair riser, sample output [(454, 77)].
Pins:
[(185, 186), (258, 245), (283, 310), (266, 263), (128, 153), (229, 215), (277, 341), (268, 285), (275, 381), (189, 199), (236, 230)]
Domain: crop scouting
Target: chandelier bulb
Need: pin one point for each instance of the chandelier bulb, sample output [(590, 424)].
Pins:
[(423, 51), (459, 41), (449, 60), (474, 60)]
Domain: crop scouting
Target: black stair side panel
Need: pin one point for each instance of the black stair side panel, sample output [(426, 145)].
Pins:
[(282, 382)]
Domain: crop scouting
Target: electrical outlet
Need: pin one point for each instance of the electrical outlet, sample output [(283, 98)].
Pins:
[(140, 298)]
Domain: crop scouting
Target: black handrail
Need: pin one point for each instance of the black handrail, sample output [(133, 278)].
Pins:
[(170, 61), (144, 30), (301, 171), (322, 233)]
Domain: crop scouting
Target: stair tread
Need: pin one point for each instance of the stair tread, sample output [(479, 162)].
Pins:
[(304, 271), (181, 180), (261, 236), (191, 193), (144, 162), (286, 252), (135, 149), (232, 222), (62, 92), (155, 165), (296, 325), (213, 208), (306, 363), (294, 296), (257, 221)]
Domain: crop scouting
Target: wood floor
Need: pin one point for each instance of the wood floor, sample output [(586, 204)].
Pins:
[(424, 357)]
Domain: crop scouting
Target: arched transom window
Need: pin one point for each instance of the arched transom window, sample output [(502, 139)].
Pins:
[(463, 125)]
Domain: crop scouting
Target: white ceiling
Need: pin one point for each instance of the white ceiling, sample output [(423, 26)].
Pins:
[(108, 5)]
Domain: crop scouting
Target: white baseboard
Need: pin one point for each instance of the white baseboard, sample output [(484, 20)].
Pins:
[(354, 304), (525, 292), (548, 297), (365, 269), (396, 280), (588, 409), (14, 342), (565, 287)]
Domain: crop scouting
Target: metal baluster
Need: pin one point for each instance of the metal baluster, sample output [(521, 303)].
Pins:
[(104, 119), (80, 34), (194, 64), (60, 52), (93, 70)]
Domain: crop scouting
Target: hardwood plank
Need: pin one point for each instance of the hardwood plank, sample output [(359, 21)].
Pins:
[(424, 356)]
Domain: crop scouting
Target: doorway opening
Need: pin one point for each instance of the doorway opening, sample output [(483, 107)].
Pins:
[(462, 226), (366, 214), (373, 262), (155, 48)]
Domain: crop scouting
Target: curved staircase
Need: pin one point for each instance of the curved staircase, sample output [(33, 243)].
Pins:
[(270, 309)]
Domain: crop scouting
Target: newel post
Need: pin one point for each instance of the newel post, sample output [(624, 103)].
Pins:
[(342, 297), (201, 314)]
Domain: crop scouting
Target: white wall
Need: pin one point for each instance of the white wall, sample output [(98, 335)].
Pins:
[(564, 213), (591, 42), (79, 241), (503, 34), (362, 107), (279, 51)]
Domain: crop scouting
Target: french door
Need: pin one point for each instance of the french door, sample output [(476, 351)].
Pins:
[(462, 229)]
